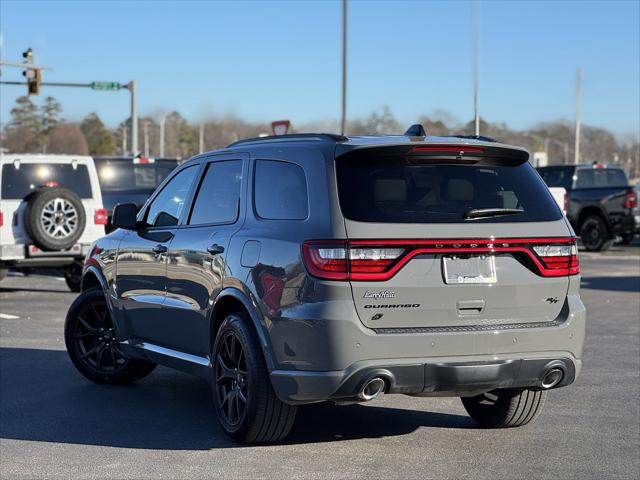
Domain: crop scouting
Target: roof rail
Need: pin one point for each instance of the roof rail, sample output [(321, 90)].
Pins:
[(327, 137), (482, 138)]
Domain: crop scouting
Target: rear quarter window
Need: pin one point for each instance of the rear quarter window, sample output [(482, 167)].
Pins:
[(17, 183), (280, 191), (393, 191)]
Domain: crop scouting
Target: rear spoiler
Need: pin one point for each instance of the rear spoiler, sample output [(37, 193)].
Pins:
[(437, 153)]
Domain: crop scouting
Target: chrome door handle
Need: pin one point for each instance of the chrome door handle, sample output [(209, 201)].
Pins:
[(159, 249), (215, 249)]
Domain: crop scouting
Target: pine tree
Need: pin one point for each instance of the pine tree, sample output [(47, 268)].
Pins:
[(99, 139)]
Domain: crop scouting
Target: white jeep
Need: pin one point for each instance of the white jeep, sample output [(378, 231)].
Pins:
[(50, 212)]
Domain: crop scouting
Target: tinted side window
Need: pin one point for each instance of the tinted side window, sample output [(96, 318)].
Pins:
[(280, 191), (218, 198), (166, 208), (557, 177)]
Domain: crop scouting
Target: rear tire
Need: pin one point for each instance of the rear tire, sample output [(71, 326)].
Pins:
[(594, 234), (505, 408), (92, 342), (245, 402)]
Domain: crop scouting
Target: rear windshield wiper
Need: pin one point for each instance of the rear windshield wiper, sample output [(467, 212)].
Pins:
[(490, 212)]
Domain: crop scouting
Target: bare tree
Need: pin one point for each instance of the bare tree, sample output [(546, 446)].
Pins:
[(67, 138)]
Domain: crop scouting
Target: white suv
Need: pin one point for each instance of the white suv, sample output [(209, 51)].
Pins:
[(50, 212)]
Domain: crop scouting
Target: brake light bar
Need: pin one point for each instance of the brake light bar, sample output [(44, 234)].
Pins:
[(447, 148), (143, 161), (380, 260)]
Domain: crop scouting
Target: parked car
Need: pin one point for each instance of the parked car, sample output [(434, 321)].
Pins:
[(636, 209), (50, 213), (307, 268), (599, 203), (130, 179)]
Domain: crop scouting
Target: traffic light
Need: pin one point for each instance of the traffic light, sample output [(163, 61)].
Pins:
[(32, 74), (33, 80)]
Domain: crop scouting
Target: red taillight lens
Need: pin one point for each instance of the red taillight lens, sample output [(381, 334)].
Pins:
[(51, 184), (558, 260), (631, 201), (1, 219), (340, 262), (100, 216)]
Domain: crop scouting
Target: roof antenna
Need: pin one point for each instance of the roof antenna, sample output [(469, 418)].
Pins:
[(416, 130)]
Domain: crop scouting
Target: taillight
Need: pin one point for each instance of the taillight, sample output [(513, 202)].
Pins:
[(100, 216), (379, 260), (1, 218), (337, 261), (558, 260), (631, 200)]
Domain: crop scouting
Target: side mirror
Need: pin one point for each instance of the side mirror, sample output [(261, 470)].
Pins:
[(124, 216)]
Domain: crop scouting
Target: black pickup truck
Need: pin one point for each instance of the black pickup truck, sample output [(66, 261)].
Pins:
[(599, 202)]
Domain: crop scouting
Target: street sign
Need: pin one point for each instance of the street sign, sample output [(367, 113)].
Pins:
[(280, 127), (105, 85)]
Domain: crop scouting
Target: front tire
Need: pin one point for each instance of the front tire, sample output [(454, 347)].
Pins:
[(92, 342), (245, 402), (505, 408)]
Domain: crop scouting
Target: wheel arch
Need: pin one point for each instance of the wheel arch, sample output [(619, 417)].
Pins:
[(231, 300), (589, 211), (92, 277)]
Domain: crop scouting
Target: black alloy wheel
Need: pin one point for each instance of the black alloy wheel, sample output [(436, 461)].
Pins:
[(231, 379), (95, 339), (93, 345)]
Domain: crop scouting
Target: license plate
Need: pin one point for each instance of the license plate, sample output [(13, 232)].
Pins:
[(480, 269)]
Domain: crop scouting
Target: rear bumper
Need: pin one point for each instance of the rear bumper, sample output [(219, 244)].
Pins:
[(427, 377), (17, 255)]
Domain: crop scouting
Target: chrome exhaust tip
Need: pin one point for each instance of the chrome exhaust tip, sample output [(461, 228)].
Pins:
[(552, 378), (371, 389)]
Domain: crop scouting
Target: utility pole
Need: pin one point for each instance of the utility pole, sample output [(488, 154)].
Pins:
[(343, 121), (163, 120), (201, 143), (145, 126), (576, 157)]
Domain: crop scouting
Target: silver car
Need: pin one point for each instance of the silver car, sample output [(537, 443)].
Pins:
[(307, 268)]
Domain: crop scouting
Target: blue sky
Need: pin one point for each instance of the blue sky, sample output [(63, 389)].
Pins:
[(267, 60)]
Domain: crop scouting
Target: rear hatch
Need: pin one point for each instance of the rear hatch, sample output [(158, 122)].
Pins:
[(448, 235)]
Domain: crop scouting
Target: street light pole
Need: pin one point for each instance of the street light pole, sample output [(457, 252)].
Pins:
[(131, 86), (576, 154), (145, 127), (476, 114), (163, 120), (344, 67), (201, 143)]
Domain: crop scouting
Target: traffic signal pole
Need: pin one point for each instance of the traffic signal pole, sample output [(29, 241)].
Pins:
[(131, 86)]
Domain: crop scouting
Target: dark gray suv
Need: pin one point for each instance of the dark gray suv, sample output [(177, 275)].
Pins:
[(307, 268)]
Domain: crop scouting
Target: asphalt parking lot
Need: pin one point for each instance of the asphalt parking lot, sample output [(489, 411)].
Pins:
[(56, 424)]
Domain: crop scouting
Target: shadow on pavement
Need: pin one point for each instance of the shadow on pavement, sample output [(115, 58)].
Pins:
[(39, 290), (43, 398), (613, 284)]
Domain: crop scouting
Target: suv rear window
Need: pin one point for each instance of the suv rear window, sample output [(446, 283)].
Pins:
[(389, 190), (17, 183), (123, 174), (601, 178)]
